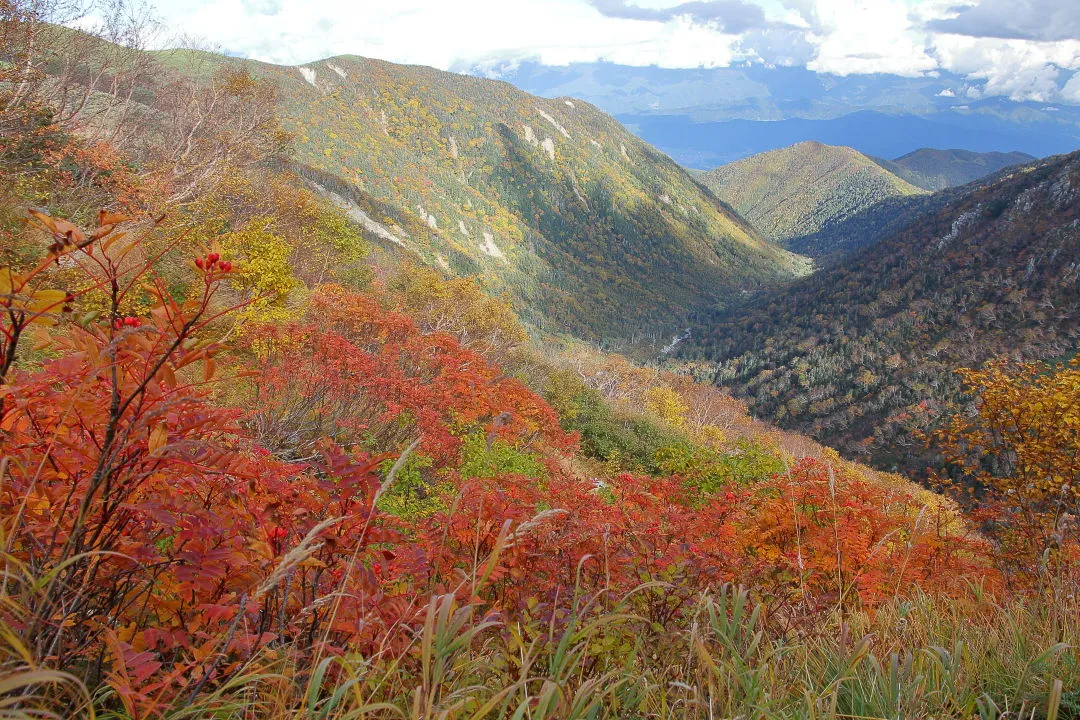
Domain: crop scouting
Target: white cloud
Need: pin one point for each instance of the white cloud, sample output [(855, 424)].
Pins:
[(1030, 19), (856, 36), (1071, 92), (448, 34), (842, 37), (1018, 69)]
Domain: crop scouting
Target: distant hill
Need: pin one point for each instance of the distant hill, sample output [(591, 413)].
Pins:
[(586, 227), (710, 143), (799, 190), (933, 169), (862, 354)]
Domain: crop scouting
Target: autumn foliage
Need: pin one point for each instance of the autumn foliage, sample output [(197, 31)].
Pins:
[(1019, 452), (229, 450), (177, 523)]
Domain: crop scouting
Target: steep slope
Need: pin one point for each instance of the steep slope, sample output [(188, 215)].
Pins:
[(861, 355), (876, 222), (933, 169), (589, 229), (799, 190)]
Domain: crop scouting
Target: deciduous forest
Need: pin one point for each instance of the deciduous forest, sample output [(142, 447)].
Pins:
[(273, 444)]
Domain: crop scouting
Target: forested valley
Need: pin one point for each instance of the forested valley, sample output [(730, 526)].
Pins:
[(341, 391)]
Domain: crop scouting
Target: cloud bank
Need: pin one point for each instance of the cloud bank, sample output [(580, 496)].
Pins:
[(1021, 49)]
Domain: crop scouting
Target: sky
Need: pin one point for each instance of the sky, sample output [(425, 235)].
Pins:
[(1021, 49)]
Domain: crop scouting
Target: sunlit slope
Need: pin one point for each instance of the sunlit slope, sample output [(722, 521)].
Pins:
[(586, 227), (799, 190)]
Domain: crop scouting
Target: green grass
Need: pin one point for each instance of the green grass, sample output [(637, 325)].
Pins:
[(919, 657)]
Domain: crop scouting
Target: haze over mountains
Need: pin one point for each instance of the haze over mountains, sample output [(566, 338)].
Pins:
[(709, 117)]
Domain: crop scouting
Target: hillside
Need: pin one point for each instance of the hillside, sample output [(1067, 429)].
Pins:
[(801, 189), (833, 242), (586, 227), (255, 467), (862, 354), (933, 169)]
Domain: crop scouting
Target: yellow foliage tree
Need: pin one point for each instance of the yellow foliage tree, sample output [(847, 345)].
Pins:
[(265, 275), (460, 307), (668, 405), (1021, 448)]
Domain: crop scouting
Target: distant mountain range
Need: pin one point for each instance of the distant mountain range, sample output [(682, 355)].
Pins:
[(939, 169), (708, 144), (709, 117)]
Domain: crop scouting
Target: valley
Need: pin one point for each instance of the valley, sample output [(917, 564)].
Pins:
[(590, 230), (863, 353), (358, 390)]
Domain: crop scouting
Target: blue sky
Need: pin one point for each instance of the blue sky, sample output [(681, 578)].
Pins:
[(1022, 49)]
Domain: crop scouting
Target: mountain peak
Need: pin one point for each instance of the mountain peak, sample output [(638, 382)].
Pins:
[(799, 189), (934, 169)]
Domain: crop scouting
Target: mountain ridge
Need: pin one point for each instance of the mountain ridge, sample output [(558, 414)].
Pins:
[(756, 109), (589, 228), (861, 355), (800, 189), (933, 169)]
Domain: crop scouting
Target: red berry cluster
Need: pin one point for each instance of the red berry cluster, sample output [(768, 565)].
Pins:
[(211, 261), (129, 321)]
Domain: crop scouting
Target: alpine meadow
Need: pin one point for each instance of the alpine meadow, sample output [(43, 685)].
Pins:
[(364, 389)]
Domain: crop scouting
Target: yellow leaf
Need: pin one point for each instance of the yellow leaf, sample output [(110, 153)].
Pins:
[(158, 437), (9, 281), (46, 301)]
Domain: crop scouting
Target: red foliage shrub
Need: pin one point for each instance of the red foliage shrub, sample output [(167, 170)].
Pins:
[(353, 371), (140, 516)]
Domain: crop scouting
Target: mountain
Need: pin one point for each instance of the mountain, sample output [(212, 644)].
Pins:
[(705, 117), (862, 354), (933, 169), (707, 144), (863, 228), (890, 215), (586, 227), (800, 189)]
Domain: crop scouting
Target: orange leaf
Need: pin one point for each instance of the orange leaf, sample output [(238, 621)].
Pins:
[(107, 218), (158, 438)]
